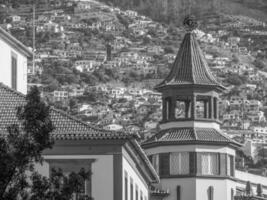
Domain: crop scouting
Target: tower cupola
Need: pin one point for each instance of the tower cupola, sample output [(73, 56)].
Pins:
[(190, 91), (190, 98)]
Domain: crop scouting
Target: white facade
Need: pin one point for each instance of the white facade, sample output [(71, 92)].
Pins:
[(195, 188), (134, 178), (10, 48), (111, 162)]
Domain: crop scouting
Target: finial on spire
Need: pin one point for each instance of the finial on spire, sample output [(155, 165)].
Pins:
[(190, 23)]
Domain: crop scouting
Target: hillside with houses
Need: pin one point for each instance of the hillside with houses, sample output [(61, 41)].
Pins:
[(100, 63)]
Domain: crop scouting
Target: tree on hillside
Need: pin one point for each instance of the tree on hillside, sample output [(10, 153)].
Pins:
[(235, 58), (260, 64), (235, 79), (23, 145)]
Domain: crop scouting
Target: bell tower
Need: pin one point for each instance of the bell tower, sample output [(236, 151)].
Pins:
[(193, 157), (190, 91)]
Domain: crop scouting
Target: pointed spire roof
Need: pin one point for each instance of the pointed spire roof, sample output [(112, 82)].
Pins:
[(190, 66)]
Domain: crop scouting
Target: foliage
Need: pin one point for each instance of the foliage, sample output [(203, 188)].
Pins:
[(23, 145), (124, 20), (235, 79), (260, 64), (60, 186), (235, 58), (168, 50)]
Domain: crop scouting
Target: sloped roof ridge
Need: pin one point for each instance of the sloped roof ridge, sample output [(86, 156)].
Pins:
[(103, 131), (190, 66)]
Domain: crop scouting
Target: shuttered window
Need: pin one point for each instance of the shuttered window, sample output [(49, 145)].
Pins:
[(155, 162), (164, 164), (230, 165), (193, 162), (179, 163), (223, 164), (14, 72), (208, 163)]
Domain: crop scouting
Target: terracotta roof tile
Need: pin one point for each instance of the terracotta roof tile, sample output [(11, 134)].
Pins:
[(190, 135)]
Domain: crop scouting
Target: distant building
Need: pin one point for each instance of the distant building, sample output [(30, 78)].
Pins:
[(109, 53)]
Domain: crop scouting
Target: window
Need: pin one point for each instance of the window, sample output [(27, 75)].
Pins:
[(183, 109), (155, 162), (178, 192), (215, 108), (131, 189), (141, 195), (230, 165), (164, 164), (126, 186), (200, 109), (223, 159), (208, 163), (136, 192), (210, 193), (14, 71), (167, 108), (232, 194), (203, 107), (179, 163)]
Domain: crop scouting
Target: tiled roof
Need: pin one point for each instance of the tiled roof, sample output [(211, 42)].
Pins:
[(190, 66), (191, 136), (66, 126)]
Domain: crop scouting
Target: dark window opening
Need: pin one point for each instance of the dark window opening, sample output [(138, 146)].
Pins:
[(164, 164), (131, 189), (183, 109), (178, 192), (14, 72), (126, 186), (136, 192), (203, 107), (215, 108), (167, 108), (210, 193)]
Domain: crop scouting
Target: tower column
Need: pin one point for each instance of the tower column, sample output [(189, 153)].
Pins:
[(211, 110), (193, 110), (172, 108)]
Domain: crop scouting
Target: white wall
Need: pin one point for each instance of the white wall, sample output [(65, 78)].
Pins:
[(188, 148), (5, 75), (102, 173), (222, 188), (256, 179), (127, 164), (195, 188), (187, 188)]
